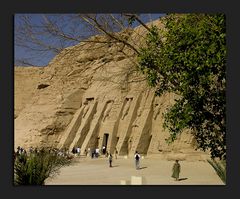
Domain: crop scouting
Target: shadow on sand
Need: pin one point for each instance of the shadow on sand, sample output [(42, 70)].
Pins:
[(142, 168), (180, 179), (115, 166)]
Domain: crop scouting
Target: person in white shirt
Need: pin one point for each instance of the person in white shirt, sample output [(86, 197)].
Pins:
[(137, 160), (78, 151), (97, 152)]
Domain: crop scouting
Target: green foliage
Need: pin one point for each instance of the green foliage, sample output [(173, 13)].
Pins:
[(35, 168), (220, 168), (188, 58)]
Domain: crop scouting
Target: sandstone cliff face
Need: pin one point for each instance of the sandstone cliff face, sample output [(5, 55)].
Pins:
[(25, 84), (91, 95)]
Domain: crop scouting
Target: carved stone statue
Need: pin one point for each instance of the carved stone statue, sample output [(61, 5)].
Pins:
[(156, 111), (126, 107), (129, 143), (108, 109), (85, 108), (139, 113)]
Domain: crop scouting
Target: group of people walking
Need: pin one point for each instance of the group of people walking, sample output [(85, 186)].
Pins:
[(76, 150), (136, 157), (22, 153), (175, 169), (95, 153)]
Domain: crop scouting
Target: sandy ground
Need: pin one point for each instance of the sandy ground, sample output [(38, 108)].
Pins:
[(154, 171)]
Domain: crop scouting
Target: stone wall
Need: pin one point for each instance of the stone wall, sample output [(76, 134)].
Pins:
[(25, 84)]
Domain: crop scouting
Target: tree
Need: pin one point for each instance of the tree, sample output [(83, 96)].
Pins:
[(220, 168), (188, 58)]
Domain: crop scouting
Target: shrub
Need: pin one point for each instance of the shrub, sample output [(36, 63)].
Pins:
[(35, 168)]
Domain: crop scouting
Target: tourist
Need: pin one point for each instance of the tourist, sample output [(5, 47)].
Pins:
[(31, 149), (103, 150), (116, 153), (59, 153), (18, 150), (176, 170), (24, 152), (110, 160), (73, 150), (89, 151), (22, 157), (78, 151), (93, 153), (97, 152), (137, 160), (21, 150)]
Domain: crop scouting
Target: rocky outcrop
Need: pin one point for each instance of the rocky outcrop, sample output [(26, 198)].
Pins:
[(91, 95)]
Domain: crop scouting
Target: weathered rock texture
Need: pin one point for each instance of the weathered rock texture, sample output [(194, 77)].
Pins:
[(91, 95)]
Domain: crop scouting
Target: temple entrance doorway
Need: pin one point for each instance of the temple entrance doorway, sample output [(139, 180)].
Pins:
[(105, 141)]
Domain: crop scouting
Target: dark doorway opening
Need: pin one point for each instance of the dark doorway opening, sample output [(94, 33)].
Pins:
[(90, 98), (105, 141)]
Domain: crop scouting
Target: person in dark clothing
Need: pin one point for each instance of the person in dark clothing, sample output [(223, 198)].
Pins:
[(93, 153), (176, 170), (73, 150), (137, 160), (110, 160), (116, 153)]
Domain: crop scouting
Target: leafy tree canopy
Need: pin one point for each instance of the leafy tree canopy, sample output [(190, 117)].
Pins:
[(188, 58)]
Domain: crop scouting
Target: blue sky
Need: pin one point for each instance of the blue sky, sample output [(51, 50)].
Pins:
[(44, 58)]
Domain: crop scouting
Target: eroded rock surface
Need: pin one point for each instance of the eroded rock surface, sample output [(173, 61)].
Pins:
[(91, 95)]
